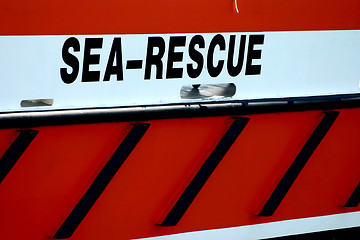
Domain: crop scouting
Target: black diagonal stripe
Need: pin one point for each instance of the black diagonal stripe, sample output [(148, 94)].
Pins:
[(101, 181), (187, 197), (289, 178), (14, 152), (354, 199)]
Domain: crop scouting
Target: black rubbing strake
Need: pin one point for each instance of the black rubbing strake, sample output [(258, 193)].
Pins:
[(101, 181), (354, 199), (289, 178), (187, 197), (15, 151)]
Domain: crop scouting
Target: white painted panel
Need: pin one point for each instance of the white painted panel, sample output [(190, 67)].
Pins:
[(271, 230), (293, 64)]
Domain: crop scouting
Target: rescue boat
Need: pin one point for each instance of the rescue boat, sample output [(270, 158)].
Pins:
[(179, 120)]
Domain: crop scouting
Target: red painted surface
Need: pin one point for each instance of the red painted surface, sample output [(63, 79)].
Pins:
[(27, 17), (62, 161)]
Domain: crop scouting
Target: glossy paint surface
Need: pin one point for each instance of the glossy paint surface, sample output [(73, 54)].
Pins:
[(62, 161), (25, 17)]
